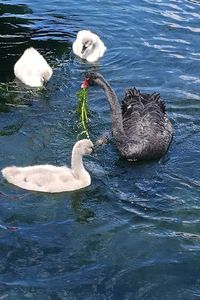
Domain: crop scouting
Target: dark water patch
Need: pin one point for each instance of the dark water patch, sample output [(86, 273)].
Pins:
[(21, 29)]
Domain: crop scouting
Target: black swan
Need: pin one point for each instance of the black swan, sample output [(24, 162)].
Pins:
[(140, 126)]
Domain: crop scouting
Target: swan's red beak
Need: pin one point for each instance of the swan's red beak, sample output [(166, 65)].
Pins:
[(85, 84)]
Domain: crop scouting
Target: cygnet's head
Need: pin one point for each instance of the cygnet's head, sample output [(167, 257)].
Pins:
[(87, 45), (46, 75), (84, 146)]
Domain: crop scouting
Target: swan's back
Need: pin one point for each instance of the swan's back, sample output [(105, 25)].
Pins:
[(42, 178), (146, 124), (32, 69)]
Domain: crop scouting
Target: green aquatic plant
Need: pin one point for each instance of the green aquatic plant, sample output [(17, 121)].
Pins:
[(13, 94), (83, 109), (11, 129)]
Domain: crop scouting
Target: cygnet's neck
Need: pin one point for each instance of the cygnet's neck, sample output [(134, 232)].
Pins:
[(77, 166)]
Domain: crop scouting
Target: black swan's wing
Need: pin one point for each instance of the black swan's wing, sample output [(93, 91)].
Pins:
[(133, 99), (145, 122)]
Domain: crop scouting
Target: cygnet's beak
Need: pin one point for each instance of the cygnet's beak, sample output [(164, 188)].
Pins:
[(93, 149), (45, 83), (83, 49)]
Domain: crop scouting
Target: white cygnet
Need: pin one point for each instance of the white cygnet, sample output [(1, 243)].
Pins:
[(53, 179), (32, 69), (88, 46)]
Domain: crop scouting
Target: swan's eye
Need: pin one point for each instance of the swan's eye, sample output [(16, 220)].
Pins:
[(87, 43)]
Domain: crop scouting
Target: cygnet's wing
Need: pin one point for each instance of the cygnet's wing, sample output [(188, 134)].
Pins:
[(76, 48), (101, 47), (38, 178)]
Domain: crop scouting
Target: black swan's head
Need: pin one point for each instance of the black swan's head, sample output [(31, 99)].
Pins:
[(93, 77)]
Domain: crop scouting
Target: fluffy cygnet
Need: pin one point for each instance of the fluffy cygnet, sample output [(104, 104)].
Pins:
[(32, 69), (88, 46), (52, 179)]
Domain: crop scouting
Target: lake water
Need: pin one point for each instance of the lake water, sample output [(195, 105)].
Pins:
[(134, 233)]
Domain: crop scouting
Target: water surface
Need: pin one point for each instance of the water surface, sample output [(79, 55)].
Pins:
[(134, 233)]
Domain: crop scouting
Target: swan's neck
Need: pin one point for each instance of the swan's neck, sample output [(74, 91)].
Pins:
[(115, 109), (77, 167)]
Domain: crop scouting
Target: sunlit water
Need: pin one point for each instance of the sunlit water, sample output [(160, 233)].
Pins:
[(135, 232)]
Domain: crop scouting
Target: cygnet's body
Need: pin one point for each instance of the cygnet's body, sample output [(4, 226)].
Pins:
[(88, 46), (52, 179), (32, 69)]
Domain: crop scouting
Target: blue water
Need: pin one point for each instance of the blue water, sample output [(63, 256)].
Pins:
[(135, 232)]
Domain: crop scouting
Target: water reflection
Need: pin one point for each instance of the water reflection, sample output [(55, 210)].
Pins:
[(82, 213), (14, 36)]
